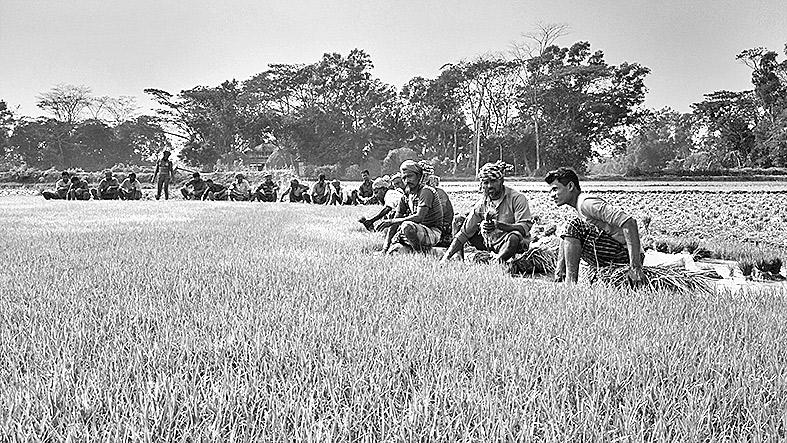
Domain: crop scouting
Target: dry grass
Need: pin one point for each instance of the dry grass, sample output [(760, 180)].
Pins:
[(219, 321), (657, 278)]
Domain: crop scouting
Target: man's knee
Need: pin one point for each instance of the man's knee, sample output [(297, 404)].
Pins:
[(456, 225), (514, 240), (409, 228)]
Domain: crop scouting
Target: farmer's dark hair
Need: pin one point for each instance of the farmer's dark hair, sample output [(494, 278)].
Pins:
[(132, 175), (563, 175), (365, 171), (65, 173), (321, 177)]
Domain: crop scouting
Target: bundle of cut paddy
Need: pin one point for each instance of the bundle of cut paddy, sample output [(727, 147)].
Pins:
[(673, 279), (539, 260)]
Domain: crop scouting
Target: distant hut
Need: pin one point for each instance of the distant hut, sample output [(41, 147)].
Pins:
[(280, 159), (259, 156)]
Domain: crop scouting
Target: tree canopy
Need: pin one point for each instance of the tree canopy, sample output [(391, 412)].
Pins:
[(539, 106)]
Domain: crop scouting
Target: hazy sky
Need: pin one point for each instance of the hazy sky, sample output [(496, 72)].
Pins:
[(121, 47)]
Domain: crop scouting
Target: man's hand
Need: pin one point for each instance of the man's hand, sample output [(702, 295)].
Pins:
[(636, 276), (366, 224), (488, 226)]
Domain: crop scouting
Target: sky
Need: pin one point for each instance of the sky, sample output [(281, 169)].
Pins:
[(122, 47)]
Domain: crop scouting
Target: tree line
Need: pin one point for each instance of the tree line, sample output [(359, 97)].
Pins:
[(536, 106)]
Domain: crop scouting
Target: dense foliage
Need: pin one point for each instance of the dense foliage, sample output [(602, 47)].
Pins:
[(86, 132), (536, 109)]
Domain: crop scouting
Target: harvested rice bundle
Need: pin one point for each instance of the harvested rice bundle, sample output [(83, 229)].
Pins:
[(672, 279), (538, 260)]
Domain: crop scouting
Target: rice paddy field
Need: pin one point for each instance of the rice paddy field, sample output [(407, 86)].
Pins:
[(218, 321)]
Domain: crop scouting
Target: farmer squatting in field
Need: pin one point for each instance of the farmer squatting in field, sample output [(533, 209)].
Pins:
[(108, 188), (194, 188), (267, 190), (600, 235), (297, 193), (499, 223), (365, 194), (320, 191), (215, 191), (61, 188), (240, 189), (131, 188), (419, 217), (78, 190)]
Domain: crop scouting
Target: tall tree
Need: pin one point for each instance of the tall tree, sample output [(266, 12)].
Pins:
[(729, 120), (66, 102), (583, 101), (6, 126), (535, 44), (663, 136)]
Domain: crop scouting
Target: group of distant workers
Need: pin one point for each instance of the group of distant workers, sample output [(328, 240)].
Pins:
[(417, 214), (109, 188)]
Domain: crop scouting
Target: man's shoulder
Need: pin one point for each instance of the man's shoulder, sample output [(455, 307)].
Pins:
[(428, 192), (515, 197), (513, 193), (588, 204)]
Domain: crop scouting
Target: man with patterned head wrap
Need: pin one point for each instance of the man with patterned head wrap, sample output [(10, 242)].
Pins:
[(419, 218), (499, 223)]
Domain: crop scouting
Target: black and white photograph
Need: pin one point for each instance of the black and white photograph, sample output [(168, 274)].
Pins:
[(393, 221)]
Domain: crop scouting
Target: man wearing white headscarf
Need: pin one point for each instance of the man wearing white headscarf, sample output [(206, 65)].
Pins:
[(389, 195), (499, 223)]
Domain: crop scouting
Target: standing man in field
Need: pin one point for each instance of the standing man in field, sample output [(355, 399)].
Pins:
[(131, 188), (500, 221), (267, 190), (61, 188), (418, 222), (108, 188), (194, 188), (240, 190), (165, 173), (600, 234)]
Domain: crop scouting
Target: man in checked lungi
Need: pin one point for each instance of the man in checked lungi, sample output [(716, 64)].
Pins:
[(600, 234)]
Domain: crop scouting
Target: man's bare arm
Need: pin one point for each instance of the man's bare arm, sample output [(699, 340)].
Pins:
[(631, 233)]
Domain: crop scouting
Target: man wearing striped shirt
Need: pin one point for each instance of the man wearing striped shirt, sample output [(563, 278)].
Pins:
[(600, 235)]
